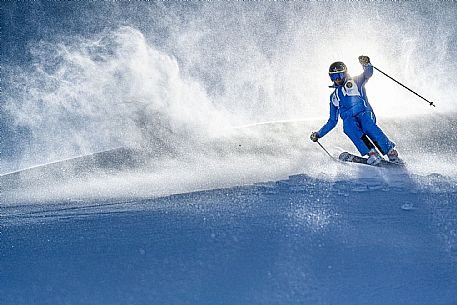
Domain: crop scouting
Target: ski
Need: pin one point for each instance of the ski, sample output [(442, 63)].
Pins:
[(348, 157)]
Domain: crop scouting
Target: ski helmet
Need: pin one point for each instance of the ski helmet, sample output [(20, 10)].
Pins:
[(337, 70)]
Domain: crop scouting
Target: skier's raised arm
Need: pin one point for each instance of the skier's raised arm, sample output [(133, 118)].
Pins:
[(367, 70)]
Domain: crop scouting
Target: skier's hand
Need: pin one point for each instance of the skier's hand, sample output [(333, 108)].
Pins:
[(314, 136), (364, 60)]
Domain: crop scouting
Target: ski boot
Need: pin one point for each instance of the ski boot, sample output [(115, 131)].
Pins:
[(393, 156), (374, 158)]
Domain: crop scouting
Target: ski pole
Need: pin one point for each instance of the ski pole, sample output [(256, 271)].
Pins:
[(325, 149), (430, 103)]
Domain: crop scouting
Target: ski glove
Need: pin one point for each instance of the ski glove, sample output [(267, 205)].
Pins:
[(314, 136), (364, 60)]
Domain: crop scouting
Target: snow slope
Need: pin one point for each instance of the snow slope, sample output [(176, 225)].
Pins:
[(296, 241)]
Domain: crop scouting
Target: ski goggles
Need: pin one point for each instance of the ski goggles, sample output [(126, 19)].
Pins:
[(335, 75)]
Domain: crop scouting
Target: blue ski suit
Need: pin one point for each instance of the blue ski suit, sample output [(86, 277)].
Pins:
[(359, 121)]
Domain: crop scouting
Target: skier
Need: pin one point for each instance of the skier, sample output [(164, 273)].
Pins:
[(350, 101)]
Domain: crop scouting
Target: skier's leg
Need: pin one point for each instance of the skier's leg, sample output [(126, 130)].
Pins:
[(353, 130), (379, 138)]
